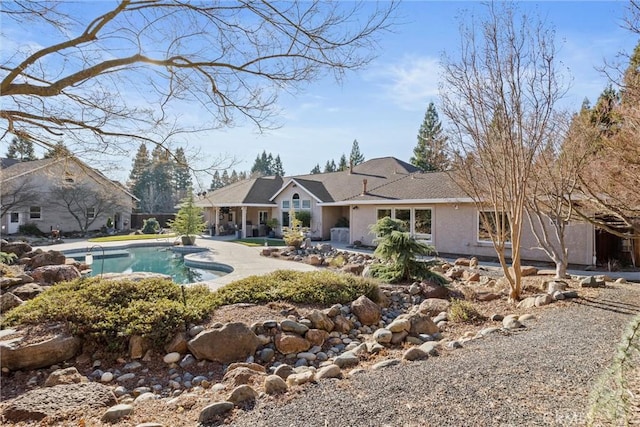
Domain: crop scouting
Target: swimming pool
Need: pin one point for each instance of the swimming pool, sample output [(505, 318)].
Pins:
[(153, 259)]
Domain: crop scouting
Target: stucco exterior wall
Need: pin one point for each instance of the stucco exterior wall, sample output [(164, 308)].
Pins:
[(57, 217), (317, 220), (454, 231), (330, 216)]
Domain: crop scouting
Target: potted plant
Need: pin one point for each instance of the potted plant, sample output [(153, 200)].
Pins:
[(272, 224), (189, 221), (110, 227)]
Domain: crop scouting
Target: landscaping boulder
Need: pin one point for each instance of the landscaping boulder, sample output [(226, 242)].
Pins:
[(288, 343), (556, 285), (273, 384), (65, 376), (320, 320), (421, 322), (242, 394), (18, 248), (434, 306), (367, 311), (232, 342), (55, 401), (7, 282), (50, 274), (47, 258), (316, 336), (9, 301), (342, 324), (27, 291), (433, 290), (355, 269), (38, 355)]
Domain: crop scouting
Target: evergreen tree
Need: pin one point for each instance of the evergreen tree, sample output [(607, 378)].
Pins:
[(278, 170), (225, 178), (234, 177), (356, 157), (181, 174), (216, 181), (330, 166), (161, 197), (603, 114), (58, 150), (342, 164), (140, 178), (243, 175), (316, 169), (430, 153), (22, 149)]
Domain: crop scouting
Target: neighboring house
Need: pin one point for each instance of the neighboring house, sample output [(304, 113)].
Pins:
[(436, 210), (61, 194)]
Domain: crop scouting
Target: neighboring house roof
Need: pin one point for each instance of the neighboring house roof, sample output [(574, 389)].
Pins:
[(387, 179), (13, 170)]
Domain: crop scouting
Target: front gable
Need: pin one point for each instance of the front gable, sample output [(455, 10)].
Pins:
[(290, 188)]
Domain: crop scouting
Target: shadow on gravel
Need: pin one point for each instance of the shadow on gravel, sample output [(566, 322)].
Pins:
[(609, 305)]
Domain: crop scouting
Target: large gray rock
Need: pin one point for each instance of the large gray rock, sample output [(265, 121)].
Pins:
[(116, 412), (212, 412), (7, 282), (367, 311), (434, 306), (16, 355), (9, 301), (242, 394), (55, 401), (421, 322), (273, 384), (50, 274), (18, 248), (232, 342), (27, 291)]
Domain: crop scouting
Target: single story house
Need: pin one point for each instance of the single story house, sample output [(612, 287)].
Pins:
[(61, 194), (436, 209)]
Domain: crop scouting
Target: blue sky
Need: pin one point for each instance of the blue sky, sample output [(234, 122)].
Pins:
[(383, 105)]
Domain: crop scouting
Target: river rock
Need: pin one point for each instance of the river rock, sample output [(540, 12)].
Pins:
[(415, 353), (273, 384), (300, 378), (287, 343), (320, 320), (242, 394), (283, 371), (116, 412), (210, 413), (556, 285), (434, 290), (342, 324), (383, 336), (329, 371), (433, 306), (65, 376), (295, 327), (232, 342), (367, 311), (346, 359), (316, 337), (179, 343)]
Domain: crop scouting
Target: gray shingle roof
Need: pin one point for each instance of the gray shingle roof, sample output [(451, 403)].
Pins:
[(387, 179)]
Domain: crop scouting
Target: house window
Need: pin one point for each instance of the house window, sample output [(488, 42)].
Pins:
[(306, 204), (296, 201), (263, 216), (490, 224), (422, 223), (35, 212), (286, 204), (404, 215), (384, 213), (91, 213), (15, 218), (285, 219)]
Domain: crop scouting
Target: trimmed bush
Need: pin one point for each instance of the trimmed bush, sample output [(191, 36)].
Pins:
[(150, 226), (30, 229), (109, 312), (316, 287)]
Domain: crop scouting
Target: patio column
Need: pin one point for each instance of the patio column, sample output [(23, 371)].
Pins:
[(217, 220), (244, 222)]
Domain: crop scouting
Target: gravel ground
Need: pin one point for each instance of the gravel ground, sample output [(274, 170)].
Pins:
[(538, 376)]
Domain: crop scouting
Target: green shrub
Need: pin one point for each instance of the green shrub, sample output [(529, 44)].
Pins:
[(150, 226), (109, 312), (462, 311), (316, 287), (7, 258), (304, 217), (338, 261), (30, 229)]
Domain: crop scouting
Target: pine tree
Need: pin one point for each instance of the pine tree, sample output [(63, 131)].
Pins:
[(234, 177), (342, 164), (225, 178), (278, 170), (162, 197), (22, 149), (330, 166), (181, 174), (216, 181), (356, 157), (57, 151), (316, 169), (603, 114), (243, 175), (430, 153)]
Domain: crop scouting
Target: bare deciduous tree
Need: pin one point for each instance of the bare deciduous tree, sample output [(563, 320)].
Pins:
[(499, 97), (17, 193), (84, 202), (122, 73), (553, 187)]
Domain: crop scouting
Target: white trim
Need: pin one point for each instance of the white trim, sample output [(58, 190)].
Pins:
[(399, 202), (236, 205), (292, 180)]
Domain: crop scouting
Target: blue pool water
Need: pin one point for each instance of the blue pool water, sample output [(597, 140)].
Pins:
[(147, 259)]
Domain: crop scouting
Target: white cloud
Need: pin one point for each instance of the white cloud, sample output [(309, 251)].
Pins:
[(410, 82)]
